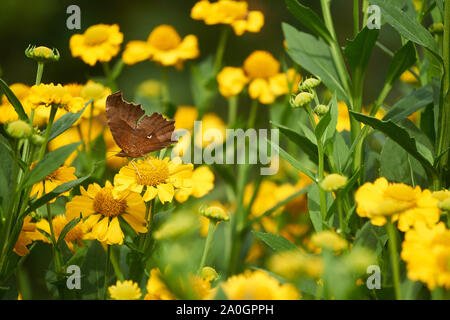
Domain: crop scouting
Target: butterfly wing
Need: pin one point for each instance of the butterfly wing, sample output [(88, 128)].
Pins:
[(137, 139)]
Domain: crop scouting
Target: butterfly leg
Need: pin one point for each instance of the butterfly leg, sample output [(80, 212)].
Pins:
[(137, 170), (150, 163)]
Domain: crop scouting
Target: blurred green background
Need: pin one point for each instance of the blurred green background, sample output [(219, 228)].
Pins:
[(43, 22)]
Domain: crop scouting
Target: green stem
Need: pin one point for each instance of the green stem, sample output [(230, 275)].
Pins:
[(116, 265), (444, 112), (232, 110), (392, 233), (253, 112), (340, 212), (335, 51), (107, 263), (208, 242), (40, 70), (355, 17), (221, 48), (47, 132), (365, 13)]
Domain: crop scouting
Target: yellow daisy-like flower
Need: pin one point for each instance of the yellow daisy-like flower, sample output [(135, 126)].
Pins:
[(426, 251), (401, 202), (7, 111), (127, 290), (156, 288), (72, 135), (47, 95), (75, 235), (58, 177), (27, 235), (97, 93), (231, 81), (266, 81), (100, 42), (343, 122), (113, 161), (164, 46), (258, 285), (184, 117), (328, 240), (290, 264), (156, 177), (234, 13), (202, 184), (103, 207), (213, 131)]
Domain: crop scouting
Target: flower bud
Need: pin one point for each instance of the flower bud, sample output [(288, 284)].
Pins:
[(333, 182), (321, 110), (302, 99), (445, 205), (19, 129), (150, 89), (209, 273), (436, 28), (37, 139), (215, 214), (42, 54), (309, 83)]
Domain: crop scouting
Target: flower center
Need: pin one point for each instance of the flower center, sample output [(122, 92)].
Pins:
[(151, 172), (96, 35), (164, 38), (107, 205), (261, 64)]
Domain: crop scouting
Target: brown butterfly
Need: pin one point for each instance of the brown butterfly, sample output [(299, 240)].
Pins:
[(137, 138)]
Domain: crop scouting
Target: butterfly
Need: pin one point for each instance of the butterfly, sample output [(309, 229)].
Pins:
[(135, 133)]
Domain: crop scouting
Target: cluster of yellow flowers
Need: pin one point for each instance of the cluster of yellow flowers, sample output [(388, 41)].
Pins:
[(426, 248)]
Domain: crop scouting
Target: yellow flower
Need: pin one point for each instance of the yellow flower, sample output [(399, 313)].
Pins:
[(156, 288), (213, 131), (75, 235), (97, 93), (156, 177), (72, 135), (27, 235), (184, 117), (333, 182), (7, 111), (234, 13), (266, 81), (126, 290), (103, 207), (231, 81), (258, 285), (426, 251), (382, 199), (100, 42), (443, 197), (60, 176), (164, 46), (328, 240), (343, 122), (408, 76), (291, 264), (150, 88), (202, 184), (49, 94)]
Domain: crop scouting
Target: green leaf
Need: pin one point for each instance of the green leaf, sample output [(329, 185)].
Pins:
[(314, 208), (276, 242), (322, 125), (13, 100), (358, 51), (6, 172), (403, 59), (399, 135), (304, 143), (54, 193), (294, 162), (407, 27), (314, 55), (309, 19), (51, 161), (64, 123), (417, 100), (340, 152), (203, 84), (69, 226), (93, 271)]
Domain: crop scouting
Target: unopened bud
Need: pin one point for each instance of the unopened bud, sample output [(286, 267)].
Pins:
[(37, 139), (42, 54), (436, 28), (216, 214), (209, 273), (302, 99), (309, 83), (321, 110), (333, 182), (19, 129)]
